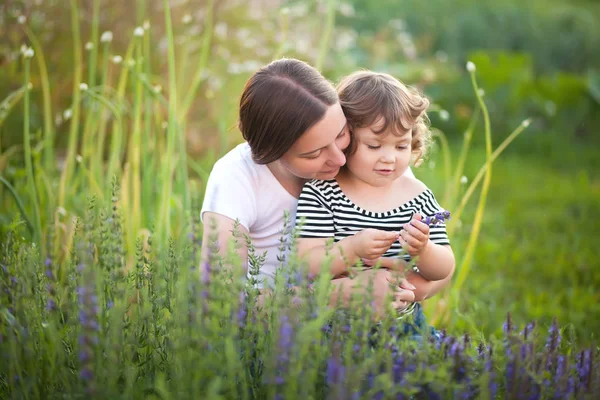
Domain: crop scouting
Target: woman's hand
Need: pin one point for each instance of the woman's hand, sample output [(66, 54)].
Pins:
[(370, 244), (414, 236), (386, 283)]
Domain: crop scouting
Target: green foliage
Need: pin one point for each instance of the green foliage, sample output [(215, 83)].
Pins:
[(85, 326)]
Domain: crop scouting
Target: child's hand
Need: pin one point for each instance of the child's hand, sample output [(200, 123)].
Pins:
[(414, 236), (370, 244)]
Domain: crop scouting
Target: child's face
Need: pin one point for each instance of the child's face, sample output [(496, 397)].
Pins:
[(380, 158)]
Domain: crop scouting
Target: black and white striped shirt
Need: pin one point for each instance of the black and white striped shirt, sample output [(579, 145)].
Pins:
[(324, 211)]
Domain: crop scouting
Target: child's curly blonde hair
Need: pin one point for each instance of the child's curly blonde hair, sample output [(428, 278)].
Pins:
[(365, 96)]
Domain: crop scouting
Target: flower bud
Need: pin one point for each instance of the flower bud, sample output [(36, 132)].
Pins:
[(139, 31), (106, 37), (28, 53), (470, 66)]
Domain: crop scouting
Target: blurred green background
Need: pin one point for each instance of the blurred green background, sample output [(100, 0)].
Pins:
[(537, 59)]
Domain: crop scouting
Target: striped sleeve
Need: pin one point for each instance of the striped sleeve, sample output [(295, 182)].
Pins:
[(314, 218), (429, 207)]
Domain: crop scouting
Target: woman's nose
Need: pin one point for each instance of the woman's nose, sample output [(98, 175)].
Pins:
[(338, 157)]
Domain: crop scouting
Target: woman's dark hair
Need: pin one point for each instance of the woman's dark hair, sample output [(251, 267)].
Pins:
[(280, 102)]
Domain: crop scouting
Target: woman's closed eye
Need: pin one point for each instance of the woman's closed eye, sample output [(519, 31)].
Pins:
[(313, 156)]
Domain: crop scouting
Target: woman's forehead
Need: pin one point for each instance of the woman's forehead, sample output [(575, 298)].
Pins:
[(324, 132)]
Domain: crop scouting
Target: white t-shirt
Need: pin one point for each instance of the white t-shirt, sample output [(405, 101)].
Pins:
[(242, 190)]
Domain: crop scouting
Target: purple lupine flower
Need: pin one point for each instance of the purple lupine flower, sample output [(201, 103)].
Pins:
[(437, 218), (570, 388), (398, 368), (528, 329), (481, 351), (561, 366), (88, 318), (584, 369), (554, 337), (285, 339), (335, 371), (242, 310), (536, 393), (508, 325), (510, 370)]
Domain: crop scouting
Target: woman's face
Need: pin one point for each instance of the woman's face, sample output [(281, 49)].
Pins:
[(318, 153)]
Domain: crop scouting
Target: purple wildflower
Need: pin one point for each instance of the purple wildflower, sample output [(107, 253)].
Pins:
[(554, 337), (242, 310), (335, 371), (437, 218), (508, 324)]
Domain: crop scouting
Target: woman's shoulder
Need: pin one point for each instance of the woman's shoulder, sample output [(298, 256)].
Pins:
[(238, 161)]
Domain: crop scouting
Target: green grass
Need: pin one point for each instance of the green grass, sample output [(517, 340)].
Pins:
[(536, 256)]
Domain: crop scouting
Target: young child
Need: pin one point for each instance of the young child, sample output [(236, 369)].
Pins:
[(373, 210)]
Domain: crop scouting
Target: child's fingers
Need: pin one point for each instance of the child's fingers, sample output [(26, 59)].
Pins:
[(412, 237), (416, 228), (408, 247)]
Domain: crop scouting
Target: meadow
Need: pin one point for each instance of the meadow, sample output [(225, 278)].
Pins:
[(110, 124)]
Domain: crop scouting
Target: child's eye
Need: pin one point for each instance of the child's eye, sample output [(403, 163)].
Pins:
[(373, 147), (402, 147)]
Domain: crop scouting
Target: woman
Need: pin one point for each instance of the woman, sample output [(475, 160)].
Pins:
[(295, 131)]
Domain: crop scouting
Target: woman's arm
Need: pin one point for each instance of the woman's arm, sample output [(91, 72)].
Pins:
[(314, 251), (424, 287), (221, 229)]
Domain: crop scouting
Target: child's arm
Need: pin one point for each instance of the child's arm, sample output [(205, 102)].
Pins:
[(368, 244), (436, 261)]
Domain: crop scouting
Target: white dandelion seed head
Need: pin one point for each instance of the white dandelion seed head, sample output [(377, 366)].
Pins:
[(21, 19), (526, 123), (471, 66), (23, 48), (67, 114), (89, 46), (157, 88), (347, 10), (146, 25), (139, 31), (83, 86), (28, 53), (61, 211), (481, 92), (79, 158), (117, 59), (463, 180), (444, 115), (187, 18), (130, 63), (106, 37)]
